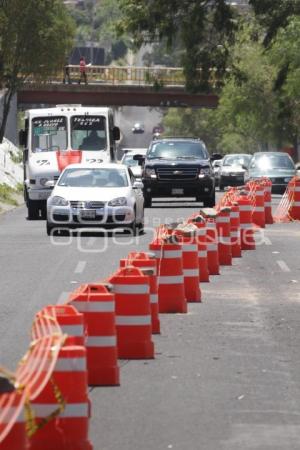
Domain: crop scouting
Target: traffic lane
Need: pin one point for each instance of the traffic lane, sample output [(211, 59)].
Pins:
[(225, 375), (38, 271)]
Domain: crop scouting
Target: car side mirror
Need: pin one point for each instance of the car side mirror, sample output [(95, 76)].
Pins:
[(50, 183), (244, 167), (116, 133), (138, 185), (23, 137)]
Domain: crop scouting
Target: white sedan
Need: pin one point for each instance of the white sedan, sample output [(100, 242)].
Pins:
[(102, 196)]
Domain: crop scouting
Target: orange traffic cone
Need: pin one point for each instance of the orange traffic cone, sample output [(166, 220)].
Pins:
[(235, 232), (97, 305), (147, 261), (224, 245), (133, 313), (247, 236), (200, 223), (213, 262), (171, 296), (258, 212)]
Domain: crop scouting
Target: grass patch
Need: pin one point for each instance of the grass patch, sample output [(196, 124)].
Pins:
[(7, 194)]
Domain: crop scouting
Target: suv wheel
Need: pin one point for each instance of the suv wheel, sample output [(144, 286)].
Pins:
[(147, 201), (211, 201), (33, 210)]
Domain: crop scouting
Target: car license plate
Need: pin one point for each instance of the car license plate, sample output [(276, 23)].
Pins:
[(177, 191), (88, 214)]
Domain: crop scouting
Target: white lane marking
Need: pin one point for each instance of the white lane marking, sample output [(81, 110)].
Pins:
[(63, 297), (80, 267), (267, 241), (283, 266)]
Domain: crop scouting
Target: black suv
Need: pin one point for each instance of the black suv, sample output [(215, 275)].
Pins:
[(178, 167)]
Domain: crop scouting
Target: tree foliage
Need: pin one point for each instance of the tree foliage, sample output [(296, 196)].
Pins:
[(34, 40), (202, 28)]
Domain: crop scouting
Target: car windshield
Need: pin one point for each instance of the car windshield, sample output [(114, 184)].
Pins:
[(94, 178), (49, 134), (266, 162), (236, 160), (88, 133), (177, 149), (129, 161)]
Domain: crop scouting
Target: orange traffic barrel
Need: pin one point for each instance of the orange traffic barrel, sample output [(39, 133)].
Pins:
[(247, 235), (224, 238), (258, 211), (294, 195), (235, 232), (213, 263), (171, 294), (12, 420), (133, 313), (267, 183), (200, 223), (62, 409), (188, 239), (145, 260), (97, 304)]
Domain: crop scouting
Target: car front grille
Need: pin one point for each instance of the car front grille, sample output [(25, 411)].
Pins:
[(177, 173), (88, 205)]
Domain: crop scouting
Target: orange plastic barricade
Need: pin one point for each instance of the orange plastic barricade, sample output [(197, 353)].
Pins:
[(64, 158), (188, 239), (145, 260), (97, 304), (294, 189), (247, 236), (62, 408), (171, 296), (68, 319), (133, 313), (200, 223), (12, 419), (224, 238)]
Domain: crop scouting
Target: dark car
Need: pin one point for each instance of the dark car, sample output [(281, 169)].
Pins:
[(232, 169), (138, 127), (278, 166), (178, 167)]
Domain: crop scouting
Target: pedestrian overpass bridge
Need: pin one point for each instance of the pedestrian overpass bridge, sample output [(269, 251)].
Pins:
[(118, 86)]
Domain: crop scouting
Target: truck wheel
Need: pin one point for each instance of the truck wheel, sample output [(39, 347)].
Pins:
[(147, 201), (33, 210), (210, 202)]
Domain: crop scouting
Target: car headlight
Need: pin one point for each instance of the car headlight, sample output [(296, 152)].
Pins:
[(119, 201), (58, 201), (43, 181), (204, 171), (150, 173)]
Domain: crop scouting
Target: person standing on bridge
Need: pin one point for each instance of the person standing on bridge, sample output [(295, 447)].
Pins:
[(82, 68)]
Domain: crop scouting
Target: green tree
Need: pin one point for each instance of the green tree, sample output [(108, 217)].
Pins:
[(202, 29), (35, 38)]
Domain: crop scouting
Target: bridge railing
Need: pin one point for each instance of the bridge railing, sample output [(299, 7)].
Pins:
[(127, 75)]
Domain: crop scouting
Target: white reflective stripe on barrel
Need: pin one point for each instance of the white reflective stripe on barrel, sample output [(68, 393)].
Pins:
[(189, 247), (70, 410), (245, 226), (70, 365), (212, 247), (153, 298), (101, 341), (191, 272), (223, 219), (201, 231), (175, 279), (170, 254), (73, 330), (202, 254), (259, 193), (268, 204), (131, 288), (234, 215), (259, 209), (224, 239), (210, 225), (245, 208), (295, 188), (235, 233), (297, 204), (91, 306), (133, 320), (9, 413)]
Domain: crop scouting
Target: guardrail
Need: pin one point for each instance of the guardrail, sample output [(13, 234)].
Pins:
[(126, 75)]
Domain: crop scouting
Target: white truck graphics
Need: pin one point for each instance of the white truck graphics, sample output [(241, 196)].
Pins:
[(59, 136)]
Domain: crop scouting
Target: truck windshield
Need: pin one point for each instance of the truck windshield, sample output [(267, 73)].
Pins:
[(49, 134), (177, 150), (88, 133)]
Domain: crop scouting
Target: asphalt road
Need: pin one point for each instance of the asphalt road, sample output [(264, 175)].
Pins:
[(225, 376)]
